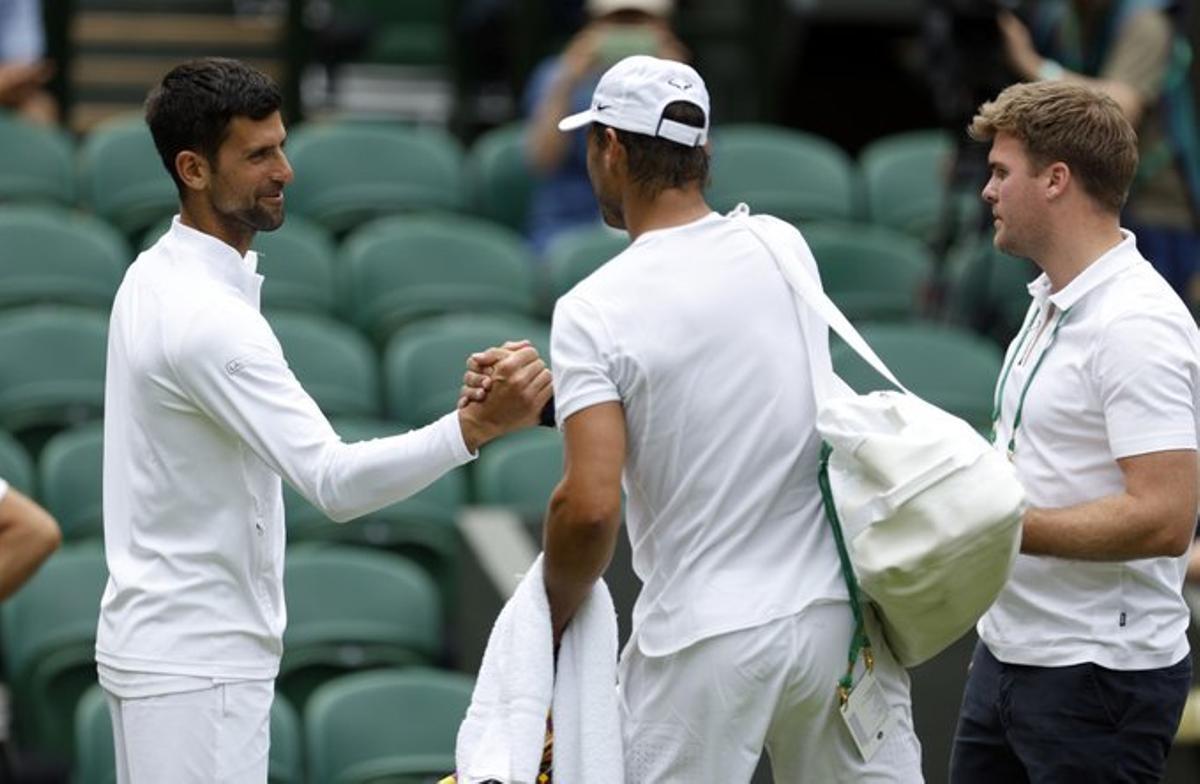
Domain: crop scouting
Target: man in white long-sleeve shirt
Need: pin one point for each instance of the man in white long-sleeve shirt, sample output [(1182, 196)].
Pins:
[(202, 418)]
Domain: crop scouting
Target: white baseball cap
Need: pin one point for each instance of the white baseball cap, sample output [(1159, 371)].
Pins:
[(653, 7), (633, 93)]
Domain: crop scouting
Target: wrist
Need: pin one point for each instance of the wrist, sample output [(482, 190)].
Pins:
[(474, 432)]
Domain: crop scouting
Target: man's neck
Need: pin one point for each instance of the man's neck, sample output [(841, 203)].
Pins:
[(669, 208), (1074, 251), (207, 222)]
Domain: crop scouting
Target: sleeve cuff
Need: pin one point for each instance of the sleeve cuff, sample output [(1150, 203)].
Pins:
[(564, 409), (450, 429), (1145, 444)]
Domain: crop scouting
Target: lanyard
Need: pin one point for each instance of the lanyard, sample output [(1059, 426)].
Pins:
[(1012, 360)]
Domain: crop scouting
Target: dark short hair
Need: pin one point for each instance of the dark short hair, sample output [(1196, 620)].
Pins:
[(656, 164), (193, 105)]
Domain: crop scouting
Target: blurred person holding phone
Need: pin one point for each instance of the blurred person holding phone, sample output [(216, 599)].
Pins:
[(24, 72), (563, 85)]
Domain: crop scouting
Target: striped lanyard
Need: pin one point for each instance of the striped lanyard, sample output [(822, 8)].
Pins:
[(998, 400)]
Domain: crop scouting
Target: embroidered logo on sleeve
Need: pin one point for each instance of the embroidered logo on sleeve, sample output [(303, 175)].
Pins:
[(234, 366)]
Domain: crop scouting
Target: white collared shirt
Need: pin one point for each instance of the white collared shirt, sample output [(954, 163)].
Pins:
[(695, 331), (202, 418), (1115, 373)]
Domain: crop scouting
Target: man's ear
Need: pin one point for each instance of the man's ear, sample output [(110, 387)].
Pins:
[(1058, 177), (193, 169), (614, 151)]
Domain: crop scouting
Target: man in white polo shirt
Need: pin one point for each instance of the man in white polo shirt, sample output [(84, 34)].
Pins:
[(202, 418), (679, 372), (1083, 667), (28, 536)]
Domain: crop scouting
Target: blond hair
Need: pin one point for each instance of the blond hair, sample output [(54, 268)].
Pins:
[(1071, 123)]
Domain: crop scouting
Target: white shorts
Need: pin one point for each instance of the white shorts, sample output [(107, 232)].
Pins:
[(217, 735), (705, 714)]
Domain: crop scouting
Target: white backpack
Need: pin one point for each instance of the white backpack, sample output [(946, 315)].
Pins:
[(926, 511)]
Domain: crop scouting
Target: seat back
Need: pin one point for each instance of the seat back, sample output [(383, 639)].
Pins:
[(70, 475), (367, 726), (297, 264), (123, 178), (54, 255), (354, 608), (790, 174), (16, 467), (48, 633), (906, 180), (400, 269), (51, 366), (499, 179), (333, 362), (575, 254), (37, 164), (407, 170), (872, 273), (520, 471)]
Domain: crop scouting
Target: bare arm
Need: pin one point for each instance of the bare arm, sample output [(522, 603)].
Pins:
[(1154, 517), (1028, 64), (584, 517), (28, 535)]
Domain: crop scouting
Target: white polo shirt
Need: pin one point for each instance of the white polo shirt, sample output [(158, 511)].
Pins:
[(694, 330), (3, 488), (202, 418), (1119, 376)]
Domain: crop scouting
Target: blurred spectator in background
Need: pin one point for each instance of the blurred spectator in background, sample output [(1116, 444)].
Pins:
[(23, 70), (1135, 51), (563, 85)]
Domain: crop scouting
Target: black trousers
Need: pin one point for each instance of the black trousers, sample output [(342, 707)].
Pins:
[(1060, 725)]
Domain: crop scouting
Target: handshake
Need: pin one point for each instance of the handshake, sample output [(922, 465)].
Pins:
[(505, 388)]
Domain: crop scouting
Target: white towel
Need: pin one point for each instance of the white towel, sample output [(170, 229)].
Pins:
[(503, 734)]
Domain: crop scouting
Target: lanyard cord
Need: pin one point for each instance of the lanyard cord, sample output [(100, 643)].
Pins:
[(1012, 439), (859, 642), (998, 398)]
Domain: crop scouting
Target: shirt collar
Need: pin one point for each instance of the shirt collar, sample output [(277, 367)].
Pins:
[(1117, 259), (218, 260)]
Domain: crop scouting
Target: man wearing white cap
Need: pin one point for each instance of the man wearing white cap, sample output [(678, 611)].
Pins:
[(562, 84), (679, 374)]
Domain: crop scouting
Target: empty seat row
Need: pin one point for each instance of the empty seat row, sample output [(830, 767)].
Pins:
[(897, 181)]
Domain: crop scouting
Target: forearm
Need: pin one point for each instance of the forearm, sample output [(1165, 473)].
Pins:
[(1118, 527), (358, 478), (28, 536), (578, 544)]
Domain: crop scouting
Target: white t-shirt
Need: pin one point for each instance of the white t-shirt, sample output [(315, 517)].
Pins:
[(202, 417), (1121, 377), (694, 330), (3, 488)]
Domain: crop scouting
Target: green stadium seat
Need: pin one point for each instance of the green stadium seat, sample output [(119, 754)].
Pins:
[(53, 255), (790, 174), (37, 164), (872, 273), (407, 170), (51, 366), (123, 178), (423, 363), (988, 289), (905, 177), (48, 633), (70, 477), (520, 471), (498, 177), (949, 367), (575, 254), (16, 467), (333, 362), (95, 759), (400, 269), (395, 726), (351, 608)]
